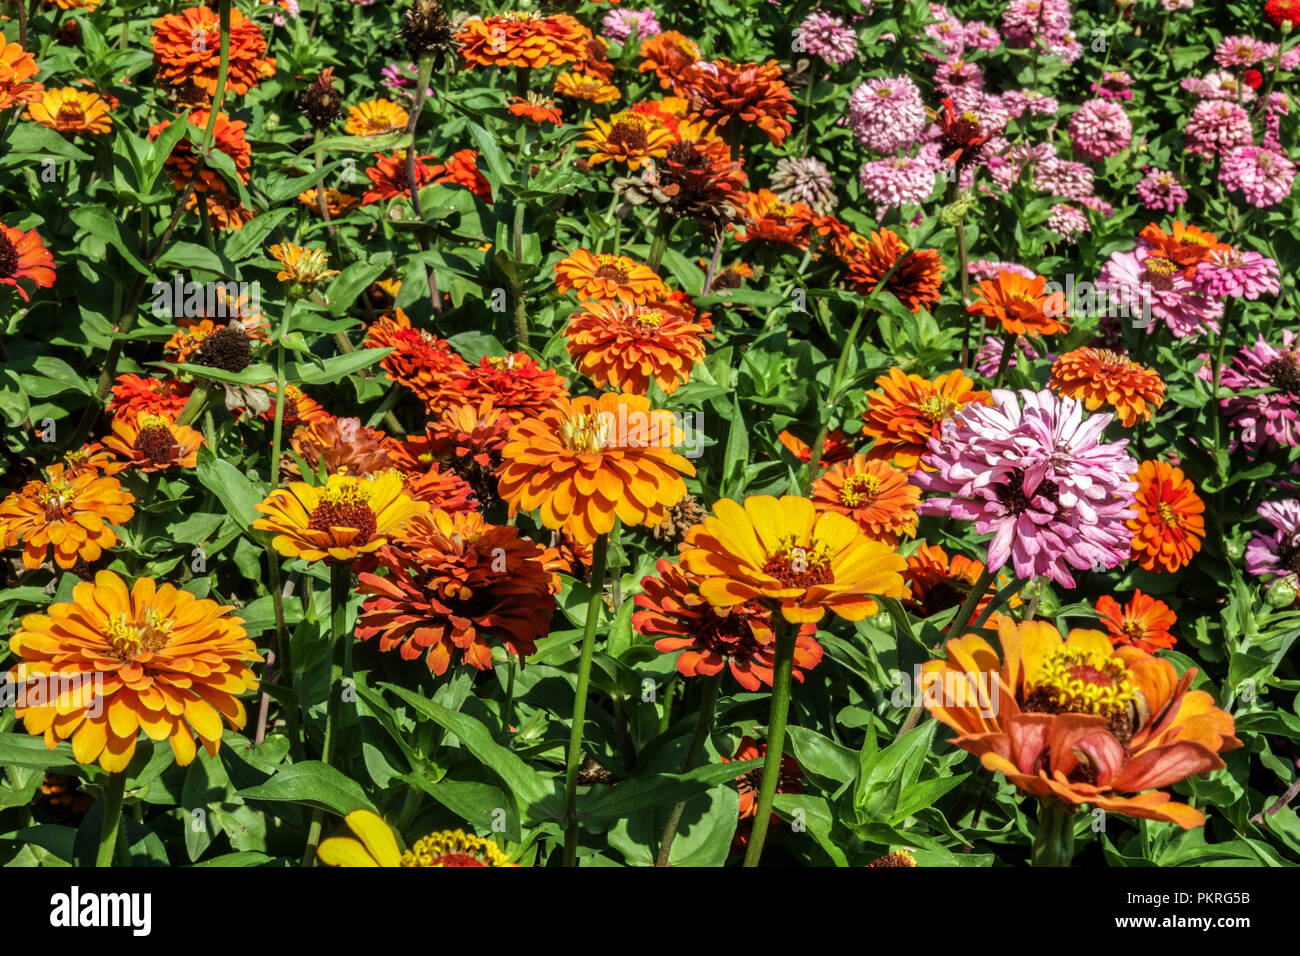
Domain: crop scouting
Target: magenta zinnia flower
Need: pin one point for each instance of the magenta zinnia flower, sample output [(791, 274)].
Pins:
[(619, 23), (1033, 471), (1100, 128), (1138, 277), (1276, 553), (1218, 126), (1270, 419), (1236, 273), (1160, 189), (825, 35)]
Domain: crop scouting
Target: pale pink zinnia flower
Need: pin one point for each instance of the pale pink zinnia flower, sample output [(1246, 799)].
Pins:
[(1024, 21), (1099, 129), (1270, 419), (1160, 189), (1067, 221), (899, 179), (1262, 176), (1018, 102), (1217, 126), (823, 34), (1276, 553), (1034, 472), (1219, 85), (980, 36), (989, 357), (1243, 51), (1140, 281), (1238, 274), (619, 24), (1061, 177), (887, 115), (982, 269)]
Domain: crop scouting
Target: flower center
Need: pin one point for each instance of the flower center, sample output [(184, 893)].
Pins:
[(647, 318), (1084, 682), (71, 113), (8, 257), (344, 506), (1284, 373), (1013, 496), (584, 434), (629, 132), (155, 440), (859, 489), (1158, 272), (1167, 515), (55, 497), (611, 267), (129, 639), (936, 408), (795, 567)]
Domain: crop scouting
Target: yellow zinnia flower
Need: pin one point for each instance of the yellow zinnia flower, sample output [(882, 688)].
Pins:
[(70, 110), (375, 844)]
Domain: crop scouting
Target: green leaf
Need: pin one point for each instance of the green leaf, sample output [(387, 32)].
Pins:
[(313, 784), (103, 225), (340, 366), (232, 488)]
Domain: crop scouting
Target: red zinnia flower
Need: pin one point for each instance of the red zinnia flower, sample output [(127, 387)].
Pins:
[(1143, 622)]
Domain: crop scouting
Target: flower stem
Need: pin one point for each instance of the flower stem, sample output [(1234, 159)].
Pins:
[(659, 244), (703, 723), (112, 827), (1004, 363), (421, 91), (195, 405), (785, 643), (1215, 412), (599, 552), (340, 589), (1054, 841)]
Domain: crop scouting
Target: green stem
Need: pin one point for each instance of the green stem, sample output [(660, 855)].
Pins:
[(786, 634), (194, 407), (574, 763), (508, 710), (340, 589), (517, 281), (277, 431), (1008, 347), (1215, 412), (999, 599), (1054, 841), (659, 244), (977, 591), (112, 827), (703, 723)]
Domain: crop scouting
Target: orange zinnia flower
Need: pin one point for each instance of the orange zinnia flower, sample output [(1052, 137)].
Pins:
[(24, 256), (835, 448), (17, 69), (668, 54), (628, 346), (301, 265), (608, 278), (515, 383), (1186, 247), (916, 283), (299, 409), (170, 664), (69, 513), (592, 89), (748, 785), (462, 170), (595, 61), (224, 210), (782, 551), (440, 489), (875, 494), (740, 638), (722, 92), (187, 50), (772, 219), (336, 203), (939, 583), (227, 136), (1018, 304), (1077, 719), (1101, 377), (627, 137), (375, 118), (419, 361), (1169, 525), (338, 446), (522, 39), (153, 443), (389, 177), (135, 395), (586, 461), (1143, 622), (454, 583), (70, 110), (909, 410), (536, 109), (346, 518)]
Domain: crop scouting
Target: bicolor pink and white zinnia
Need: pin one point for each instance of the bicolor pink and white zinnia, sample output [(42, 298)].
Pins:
[(1032, 470)]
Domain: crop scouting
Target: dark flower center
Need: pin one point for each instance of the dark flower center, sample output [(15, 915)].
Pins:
[(796, 567), (1017, 501), (344, 511), (629, 135), (156, 441), (8, 257), (1284, 373)]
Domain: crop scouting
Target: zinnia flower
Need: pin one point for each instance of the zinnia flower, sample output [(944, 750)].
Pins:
[(390, 180), (375, 117), (739, 638), (171, 665), (591, 89), (1145, 282), (70, 110), (135, 395), (522, 39), (336, 446), (749, 784), (70, 513), (1217, 127), (1160, 189), (722, 92), (536, 109), (227, 136), (1019, 306), (585, 461), (939, 583), (346, 518), (627, 347), (1143, 622), (916, 283), (1276, 552), (375, 845), (153, 443), (784, 552), (419, 361), (804, 181), (516, 384), (1100, 128), (1232, 272), (1033, 471), (17, 71), (24, 256), (1078, 720), (1169, 526), (771, 220), (1262, 176), (453, 583), (1101, 377), (627, 137), (668, 54), (887, 115), (187, 50), (301, 266), (607, 278), (1269, 418), (875, 494), (909, 410), (823, 34)]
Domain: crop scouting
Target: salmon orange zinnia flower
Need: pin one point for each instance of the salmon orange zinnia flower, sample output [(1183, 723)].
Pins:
[(70, 513), (1170, 521), (909, 410), (608, 278), (1077, 719), (346, 518), (187, 50), (70, 110), (536, 109), (1143, 622), (153, 442), (523, 39), (17, 71), (1101, 377), (24, 256), (668, 54), (723, 93), (585, 461), (374, 118), (227, 136), (782, 551), (1018, 305), (375, 845), (627, 347), (941, 583), (875, 494), (171, 665)]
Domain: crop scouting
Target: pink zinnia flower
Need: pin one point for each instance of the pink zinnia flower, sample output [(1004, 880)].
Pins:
[(989, 357), (900, 179), (1099, 129), (1140, 280), (1219, 85), (1019, 102), (1243, 51), (619, 23), (1262, 176), (825, 35), (1276, 553), (1025, 20), (1063, 178), (956, 75), (980, 36), (1238, 274), (1067, 221), (1270, 419), (1114, 85), (1217, 126), (947, 29), (982, 269), (1160, 189), (887, 115), (1031, 470)]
